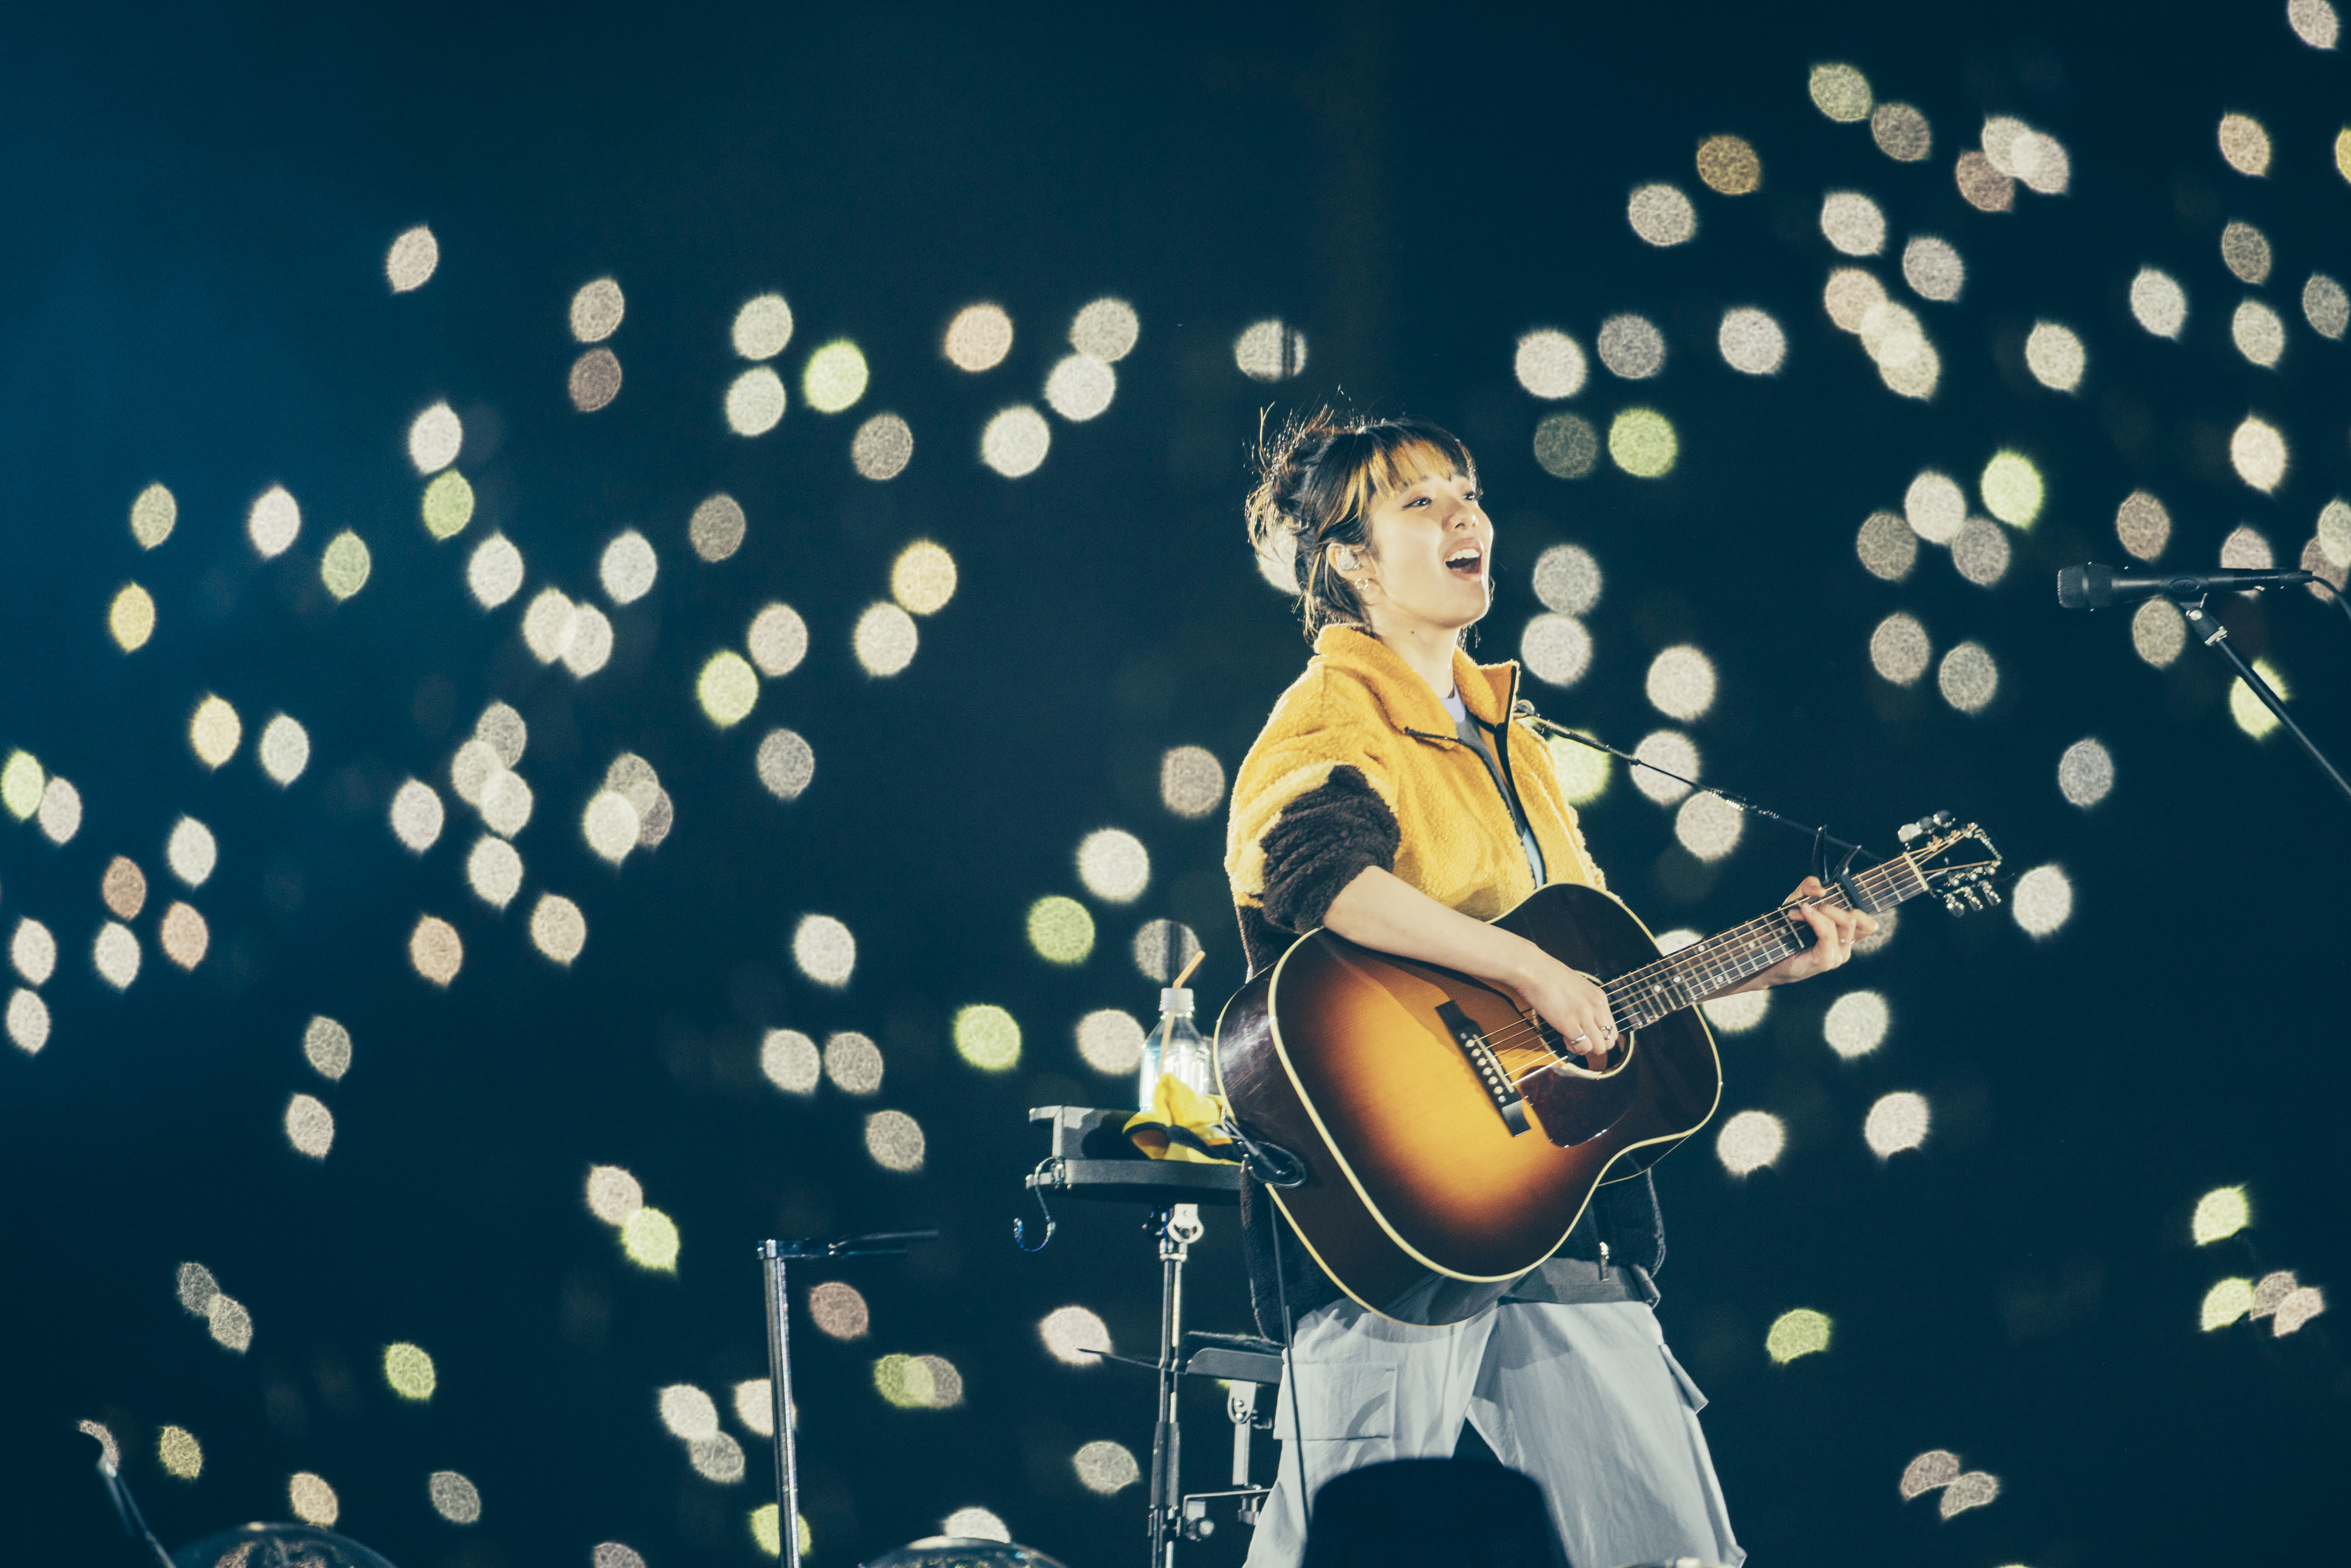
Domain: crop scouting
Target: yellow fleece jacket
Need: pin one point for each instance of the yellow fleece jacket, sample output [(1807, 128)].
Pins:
[(1359, 765)]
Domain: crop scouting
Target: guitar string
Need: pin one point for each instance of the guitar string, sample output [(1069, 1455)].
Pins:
[(1765, 935)]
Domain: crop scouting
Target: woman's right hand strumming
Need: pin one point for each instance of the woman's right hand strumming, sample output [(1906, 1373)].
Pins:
[(1570, 1003)]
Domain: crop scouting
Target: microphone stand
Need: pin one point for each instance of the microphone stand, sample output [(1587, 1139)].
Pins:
[(2215, 636), (772, 1257)]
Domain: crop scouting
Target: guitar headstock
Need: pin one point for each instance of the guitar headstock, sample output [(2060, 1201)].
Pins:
[(1956, 860)]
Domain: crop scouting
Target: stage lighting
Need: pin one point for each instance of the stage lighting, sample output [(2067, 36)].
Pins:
[(1106, 1466), (1901, 132), (1081, 387), (215, 732), (837, 1311), (1896, 1123), (1980, 553), (595, 379), (1632, 347), (1566, 577), (1749, 1141), (1737, 1015), (2245, 251), (131, 619), (1109, 1042), (1566, 446), (2257, 451), (1708, 826), (327, 1047), (755, 401), (1802, 1332), (2259, 333), (33, 951), (1555, 649), (853, 1063), (1671, 750), (895, 1140), (2055, 356), (1191, 780), (1898, 649), (153, 516), (436, 950), (791, 1060), (716, 528), (1967, 677), (1016, 441), (115, 956), (1856, 1024), (310, 1125), (1662, 216), (2159, 302), (987, 1037), (1642, 444), (1113, 865), (881, 447), (978, 337), (824, 950), (183, 935), (762, 326), (1888, 547), (2085, 773)]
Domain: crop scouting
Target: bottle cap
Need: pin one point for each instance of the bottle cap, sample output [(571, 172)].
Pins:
[(1175, 999)]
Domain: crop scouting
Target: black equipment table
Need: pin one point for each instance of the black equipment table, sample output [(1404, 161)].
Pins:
[(1091, 1158)]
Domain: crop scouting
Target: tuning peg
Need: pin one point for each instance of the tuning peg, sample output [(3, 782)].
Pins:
[(1951, 902), (1991, 892)]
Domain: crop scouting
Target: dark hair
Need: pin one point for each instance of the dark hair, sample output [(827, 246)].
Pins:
[(1318, 476)]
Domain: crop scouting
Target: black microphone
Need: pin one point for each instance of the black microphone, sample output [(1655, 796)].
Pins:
[(2096, 586)]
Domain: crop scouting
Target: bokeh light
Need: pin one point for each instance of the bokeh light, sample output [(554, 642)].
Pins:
[(837, 1311), (791, 1060), (978, 337), (824, 950), (778, 641), (651, 1240), (1643, 443), (153, 514), (1110, 1042), (123, 888), (1982, 187), (762, 326), (1632, 347), (229, 1323), (2220, 1213), (183, 935), (312, 1500), (2041, 901), (2257, 451), (1105, 329), (1967, 677), (2158, 632), (2159, 302), (1681, 683), (2251, 714), (1849, 296), (1803, 1332), (609, 825), (884, 640), (1549, 364), (1749, 1141), (1270, 350), (33, 951), (272, 522), (215, 731), (786, 764), (1841, 92), (284, 750), (1672, 751), (1162, 948), (987, 1037), (2085, 773), (755, 1407), (2244, 145), (1191, 780), (1973, 1489), (975, 1524), (1901, 132), (1566, 446), (310, 1125), (60, 810), (2055, 356), (627, 568), (755, 401), (131, 619), (1898, 649), (1059, 930), (923, 578), (190, 852), (1081, 387), (716, 528), (1105, 1468), (494, 871), (1980, 553), (1555, 649), (434, 438), (327, 1047), (1888, 547), (852, 1062), (2224, 1303), (408, 1370), (416, 815), (1016, 441), (179, 1452), (835, 377), (115, 956), (454, 1498), (2325, 306), (596, 311), (1566, 577), (894, 1141), (1708, 826), (2245, 252), (2259, 333), (1897, 1123), (1113, 865), (1074, 1335), (494, 575), (2012, 488), (1855, 1023), (2314, 22), (434, 950), (1853, 223), (881, 447), (21, 782), (595, 379), (1661, 214), (727, 688), (448, 505), (688, 1411), (1752, 342), (28, 1021), (2142, 524), (410, 261), (1737, 1015), (1728, 166)]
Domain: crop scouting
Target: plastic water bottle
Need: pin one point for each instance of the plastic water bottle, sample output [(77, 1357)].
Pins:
[(1176, 1046)]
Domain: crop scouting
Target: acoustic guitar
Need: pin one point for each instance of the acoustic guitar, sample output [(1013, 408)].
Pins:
[(1431, 1142)]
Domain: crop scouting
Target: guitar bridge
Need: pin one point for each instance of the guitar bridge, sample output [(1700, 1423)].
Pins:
[(1473, 1043)]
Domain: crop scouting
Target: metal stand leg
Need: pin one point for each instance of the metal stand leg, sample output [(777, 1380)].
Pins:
[(2215, 636), (1178, 1227), (780, 1388)]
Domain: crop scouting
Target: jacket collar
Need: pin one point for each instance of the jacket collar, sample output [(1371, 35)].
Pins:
[(1405, 699)]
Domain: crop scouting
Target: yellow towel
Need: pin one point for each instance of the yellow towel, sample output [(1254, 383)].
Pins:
[(1182, 1124)]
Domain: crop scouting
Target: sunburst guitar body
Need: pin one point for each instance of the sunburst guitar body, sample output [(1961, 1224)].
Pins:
[(1444, 1141)]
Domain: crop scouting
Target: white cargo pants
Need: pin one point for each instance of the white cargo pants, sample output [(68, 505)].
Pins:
[(1585, 1399)]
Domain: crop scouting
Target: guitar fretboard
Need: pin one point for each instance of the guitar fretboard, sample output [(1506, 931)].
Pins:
[(1720, 962)]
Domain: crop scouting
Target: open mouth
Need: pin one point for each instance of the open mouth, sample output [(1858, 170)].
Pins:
[(1468, 562)]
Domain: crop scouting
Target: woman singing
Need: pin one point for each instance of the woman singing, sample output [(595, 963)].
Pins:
[(1391, 799)]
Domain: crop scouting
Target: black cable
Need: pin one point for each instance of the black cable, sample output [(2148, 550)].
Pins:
[(2334, 594)]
